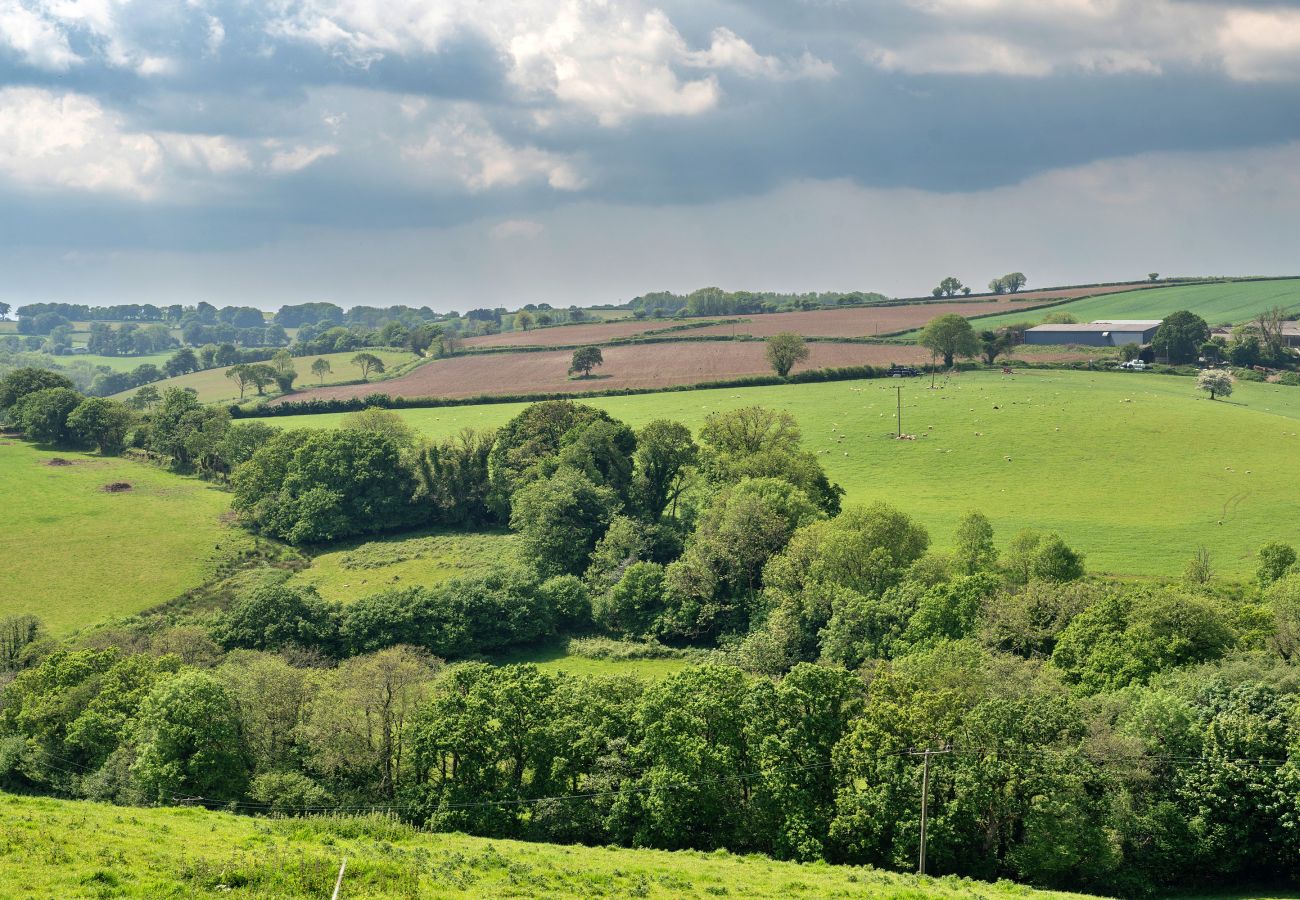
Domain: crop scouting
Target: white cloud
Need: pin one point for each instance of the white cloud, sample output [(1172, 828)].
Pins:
[(1034, 38), (1261, 45), (463, 145), (517, 228), (729, 50), (36, 39), (295, 159), (52, 140), (611, 60)]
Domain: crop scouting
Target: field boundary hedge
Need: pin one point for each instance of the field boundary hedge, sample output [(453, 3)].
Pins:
[(387, 401)]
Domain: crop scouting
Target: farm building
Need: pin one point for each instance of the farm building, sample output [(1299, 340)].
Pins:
[(1112, 333)]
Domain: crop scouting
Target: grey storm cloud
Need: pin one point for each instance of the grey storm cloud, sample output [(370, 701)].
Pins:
[(214, 126)]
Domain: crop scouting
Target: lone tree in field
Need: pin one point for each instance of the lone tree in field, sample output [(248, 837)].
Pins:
[(584, 360), (1215, 382), (948, 287), (950, 335), (367, 363), (242, 376), (1153, 276), (320, 368), (1180, 336), (784, 350), (524, 320)]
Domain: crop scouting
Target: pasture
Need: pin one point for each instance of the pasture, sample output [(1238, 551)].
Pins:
[(116, 363), (1136, 470), (74, 553), (62, 848), (1218, 304), (356, 568), (213, 386)]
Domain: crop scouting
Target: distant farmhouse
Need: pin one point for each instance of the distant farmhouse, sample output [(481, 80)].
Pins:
[(1111, 333)]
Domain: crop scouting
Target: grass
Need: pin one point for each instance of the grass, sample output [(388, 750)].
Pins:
[(214, 387), (116, 363), (351, 570), (1136, 470), (570, 658), (1218, 304), (63, 848), (74, 554)]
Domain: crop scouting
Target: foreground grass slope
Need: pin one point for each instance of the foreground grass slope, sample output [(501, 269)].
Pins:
[(1135, 470), (74, 553), (1219, 304), (54, 848), (213, 386)]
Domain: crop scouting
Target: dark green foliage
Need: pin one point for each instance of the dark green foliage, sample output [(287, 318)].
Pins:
[(188, 741), (1275, 559), (631, 607), (318, 486), (453, 480), (526, 447), (102, 424), (1180, 336), (1032, 554), (43, 415), (665, 453), (17, 384), (753, 442), (559, 520), (585, 359), (274, 616)]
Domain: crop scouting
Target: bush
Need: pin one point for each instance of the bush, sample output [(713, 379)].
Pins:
[(274, 616)]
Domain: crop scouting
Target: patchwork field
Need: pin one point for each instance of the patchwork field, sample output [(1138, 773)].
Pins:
[(116, 363), (862, 321), (74, 553), (60, 848), (636, 366), (1218, 304), (1087, 454), (213, 386), (357, 568)]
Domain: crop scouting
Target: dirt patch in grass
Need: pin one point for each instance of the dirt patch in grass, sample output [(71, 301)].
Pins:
[(116, 487), (58, 461)]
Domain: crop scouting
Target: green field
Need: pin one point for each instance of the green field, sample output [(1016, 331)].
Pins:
[(116, 363), (75, 554), (558, 658), (357, 568), (214, 387), (1219, 304), (1136, 470), (63, 848)]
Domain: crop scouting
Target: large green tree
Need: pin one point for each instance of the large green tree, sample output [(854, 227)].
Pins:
[(1180, 336), (784, 350), (17, 384), (43, 415), (102, 423), (950, 336), (559, 520), (188, 741)]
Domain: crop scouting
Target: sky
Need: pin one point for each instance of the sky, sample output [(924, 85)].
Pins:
[(463, 153)]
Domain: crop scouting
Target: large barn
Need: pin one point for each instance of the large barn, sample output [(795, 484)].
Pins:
[(1112, 333)]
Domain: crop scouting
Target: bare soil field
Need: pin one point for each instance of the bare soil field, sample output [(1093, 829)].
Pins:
[(863, 321), (637, 366)]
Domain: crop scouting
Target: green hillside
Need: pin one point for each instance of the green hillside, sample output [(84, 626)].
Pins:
[(1135, 470), (1219, 304), (75, 553), (214, 387), (58, 848)]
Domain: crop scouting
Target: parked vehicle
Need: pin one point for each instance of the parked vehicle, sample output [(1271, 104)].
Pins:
[(1135, 365)]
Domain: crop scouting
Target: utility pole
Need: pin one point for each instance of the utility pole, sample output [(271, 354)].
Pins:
[(925, 799), (899, 389)]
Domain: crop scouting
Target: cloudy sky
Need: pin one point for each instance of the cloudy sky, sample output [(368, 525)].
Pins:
[(468, 152)]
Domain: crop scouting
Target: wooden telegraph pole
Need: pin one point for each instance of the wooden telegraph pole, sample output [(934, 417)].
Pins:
[(925, 801), (899, 389)]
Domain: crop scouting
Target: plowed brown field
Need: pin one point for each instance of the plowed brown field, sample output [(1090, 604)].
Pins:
[(637, 366), (863, 321)]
